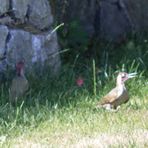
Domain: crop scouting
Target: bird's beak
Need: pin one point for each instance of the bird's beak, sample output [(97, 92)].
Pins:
[(132, 75)]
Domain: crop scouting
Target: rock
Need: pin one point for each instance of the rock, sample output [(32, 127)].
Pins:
[(19, 46), (46, 52), (24, 29), (53, 55), (40, 14), (35, 14), (34, 49), (20, 9), (7, 20), (23, 35), (3, 39), (4, 6), (3, 61)]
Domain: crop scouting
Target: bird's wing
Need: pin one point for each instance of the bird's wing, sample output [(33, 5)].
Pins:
[(13, 90), (24, 85), (18, 87), (110, 97)]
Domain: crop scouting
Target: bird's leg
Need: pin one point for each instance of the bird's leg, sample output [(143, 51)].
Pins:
[(115, 109), (107, 106), (110, 107), (118, 107)]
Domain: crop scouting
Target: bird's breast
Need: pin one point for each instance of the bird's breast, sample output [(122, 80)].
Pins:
[(120, 91)]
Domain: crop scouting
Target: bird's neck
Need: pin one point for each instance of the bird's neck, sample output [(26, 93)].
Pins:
[(120, 85), (119, 81), (20, 73)]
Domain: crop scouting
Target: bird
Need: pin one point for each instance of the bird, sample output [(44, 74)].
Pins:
[(19, 84), (118, 95)]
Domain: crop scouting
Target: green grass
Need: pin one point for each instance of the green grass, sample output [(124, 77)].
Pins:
[(57, 113)]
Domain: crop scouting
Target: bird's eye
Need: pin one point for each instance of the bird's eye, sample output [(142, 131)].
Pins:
[(123, 75)]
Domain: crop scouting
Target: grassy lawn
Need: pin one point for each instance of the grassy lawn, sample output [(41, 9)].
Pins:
[(60, 114)]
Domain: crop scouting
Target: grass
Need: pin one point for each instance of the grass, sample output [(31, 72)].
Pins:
[(57, 113)]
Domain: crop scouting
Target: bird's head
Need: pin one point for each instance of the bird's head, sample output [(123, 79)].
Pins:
[(123, 76), (20, 68)]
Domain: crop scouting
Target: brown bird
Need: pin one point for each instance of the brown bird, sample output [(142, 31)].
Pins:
[(117, 95), (19, 84)]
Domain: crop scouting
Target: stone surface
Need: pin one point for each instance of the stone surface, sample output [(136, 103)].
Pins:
[(46, 52), (53, 56), (40, 14), (19, 46), (3, 36), (35, 50), (4, 6), (20, 9), (3, 61), (23, 35)]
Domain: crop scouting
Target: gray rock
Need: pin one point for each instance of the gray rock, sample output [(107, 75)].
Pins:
[(40, 14), (36, 14), (52, 51), (4, 6), (3, 36), (139, 14), (7, 20), (19, 47), (20, 9), (46, 53), (33, 49), (3, 61), (25, 37)]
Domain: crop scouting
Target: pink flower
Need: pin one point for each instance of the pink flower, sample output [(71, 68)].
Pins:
[(80, 81)]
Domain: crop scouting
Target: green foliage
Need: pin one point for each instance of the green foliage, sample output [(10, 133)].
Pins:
[(74, 37)]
